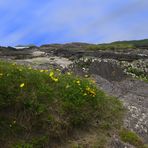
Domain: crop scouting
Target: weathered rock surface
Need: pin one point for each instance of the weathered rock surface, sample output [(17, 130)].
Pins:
[(107, 70), (134, 95)]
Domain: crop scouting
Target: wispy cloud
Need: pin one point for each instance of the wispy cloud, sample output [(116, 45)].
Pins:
[(25, 21)]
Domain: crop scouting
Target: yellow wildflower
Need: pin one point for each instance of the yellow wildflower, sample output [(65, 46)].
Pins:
[(87, 88), (22, 85), (42, 70), (20, 69), (46, 70), (68, 73), (51, 74), (54, 79), (78, 82), (91, 91), (29, 68)]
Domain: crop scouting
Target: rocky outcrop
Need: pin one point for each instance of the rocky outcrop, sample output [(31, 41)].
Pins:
[(112, 71), (73, 50)]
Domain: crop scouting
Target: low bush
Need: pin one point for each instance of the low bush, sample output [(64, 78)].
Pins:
[(38, 107)]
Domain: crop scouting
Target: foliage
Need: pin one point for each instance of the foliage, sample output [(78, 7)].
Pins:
[(110, 46), (131, 138), (37, 106), (136, 69), (137, 73), (136, 43), (120, 45)]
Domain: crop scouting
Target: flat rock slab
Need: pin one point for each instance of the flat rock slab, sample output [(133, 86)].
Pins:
[(63, 62)]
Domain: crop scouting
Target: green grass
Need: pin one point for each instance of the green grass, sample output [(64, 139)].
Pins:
[(41, 107), (131, 138), (110, 46), (138, 73), (120, 45), (136, 43)]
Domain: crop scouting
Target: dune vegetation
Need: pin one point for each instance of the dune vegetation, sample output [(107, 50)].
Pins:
[(120, 45), (40, 107)]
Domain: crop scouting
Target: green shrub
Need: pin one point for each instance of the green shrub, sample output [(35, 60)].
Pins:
[(38, 103), (131, 138), (111, 46), (138, 73)]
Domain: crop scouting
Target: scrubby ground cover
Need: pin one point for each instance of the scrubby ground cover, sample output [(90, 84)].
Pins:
[(111, 46), (137, 69), (120, 45), (39, 108), (132, 138)]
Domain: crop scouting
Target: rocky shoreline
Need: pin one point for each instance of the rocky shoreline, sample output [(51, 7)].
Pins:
[(120, 73)]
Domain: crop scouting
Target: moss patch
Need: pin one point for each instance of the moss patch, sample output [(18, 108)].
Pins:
[(131, 138)]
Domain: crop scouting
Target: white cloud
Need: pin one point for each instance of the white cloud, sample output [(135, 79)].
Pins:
[(81, 20)]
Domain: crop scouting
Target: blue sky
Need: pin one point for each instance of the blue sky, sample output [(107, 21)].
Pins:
[(61, 21)]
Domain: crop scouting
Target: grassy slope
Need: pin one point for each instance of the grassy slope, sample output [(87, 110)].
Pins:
[(136, 43), (40, 107), (120, 45), (132, 138)]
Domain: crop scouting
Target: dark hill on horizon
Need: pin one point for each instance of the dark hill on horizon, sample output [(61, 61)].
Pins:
[(143, 43), (136, 43)]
